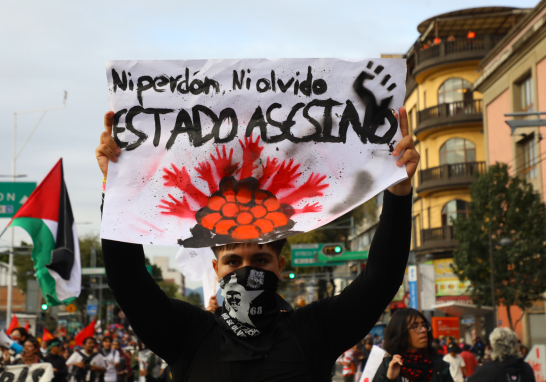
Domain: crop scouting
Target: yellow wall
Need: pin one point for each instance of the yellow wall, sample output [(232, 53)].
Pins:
[(432, 204)]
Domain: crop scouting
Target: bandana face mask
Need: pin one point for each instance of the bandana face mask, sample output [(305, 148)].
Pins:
[(250, 304)]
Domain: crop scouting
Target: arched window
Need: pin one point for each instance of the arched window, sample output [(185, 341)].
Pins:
[(454, 209), (457, 150), (454, 90)]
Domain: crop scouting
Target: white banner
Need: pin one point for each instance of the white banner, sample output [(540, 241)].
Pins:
[(254, 150), (374, 361), (38, 372)]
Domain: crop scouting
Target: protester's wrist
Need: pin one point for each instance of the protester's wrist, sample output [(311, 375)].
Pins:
[(401, 189)]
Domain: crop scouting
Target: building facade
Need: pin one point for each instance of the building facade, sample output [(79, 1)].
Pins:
[(445, 117), (513, 79), (169, 274)]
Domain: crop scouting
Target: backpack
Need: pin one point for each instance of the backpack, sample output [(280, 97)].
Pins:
[(86, 375)]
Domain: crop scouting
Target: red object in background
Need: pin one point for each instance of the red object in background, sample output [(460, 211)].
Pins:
[(445, 326), (47, 335), (88, 331), (437, 40), (27, 326), (12, 325), (471, 34)]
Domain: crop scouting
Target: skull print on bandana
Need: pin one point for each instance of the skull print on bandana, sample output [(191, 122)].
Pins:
[(249, 300)]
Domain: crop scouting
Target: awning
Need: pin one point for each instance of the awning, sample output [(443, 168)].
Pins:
[(458, 309)]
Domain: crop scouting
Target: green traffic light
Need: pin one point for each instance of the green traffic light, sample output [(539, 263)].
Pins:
[(292, 275), (44, 307), (337, 249)]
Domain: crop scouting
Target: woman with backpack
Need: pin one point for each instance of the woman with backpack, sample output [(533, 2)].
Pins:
[(410, 355)]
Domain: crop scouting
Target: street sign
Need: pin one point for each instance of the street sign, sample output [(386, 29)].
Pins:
[(324, 254), (92, 306), (96, 271), (412, 278), (13, 195), (70, 308), (92, 310)]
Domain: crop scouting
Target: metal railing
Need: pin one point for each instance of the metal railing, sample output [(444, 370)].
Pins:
[(446, 110), (459, 47), (451, 171), (444, 233)]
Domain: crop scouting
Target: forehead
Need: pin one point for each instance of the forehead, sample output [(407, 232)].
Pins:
[(247, 250)]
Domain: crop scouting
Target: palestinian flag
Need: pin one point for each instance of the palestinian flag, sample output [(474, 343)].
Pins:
[(47, 217)]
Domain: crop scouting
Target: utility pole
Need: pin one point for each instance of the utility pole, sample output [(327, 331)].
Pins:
[(14, 177)]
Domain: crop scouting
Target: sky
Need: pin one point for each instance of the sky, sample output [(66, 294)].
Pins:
[(48, 47)]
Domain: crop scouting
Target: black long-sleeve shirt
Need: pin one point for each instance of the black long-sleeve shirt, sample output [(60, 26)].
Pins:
[(311, 338)]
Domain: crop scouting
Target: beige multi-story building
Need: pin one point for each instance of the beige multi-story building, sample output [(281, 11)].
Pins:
[(512, 78), (445, 114)]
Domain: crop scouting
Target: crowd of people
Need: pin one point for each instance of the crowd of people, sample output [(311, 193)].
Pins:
[(117, 356), (412, 354)]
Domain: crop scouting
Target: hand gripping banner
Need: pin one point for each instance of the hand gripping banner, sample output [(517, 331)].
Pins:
[(253, 150)]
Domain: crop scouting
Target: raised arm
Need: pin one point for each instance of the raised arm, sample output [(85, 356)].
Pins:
[(345, 319), (146, 306)]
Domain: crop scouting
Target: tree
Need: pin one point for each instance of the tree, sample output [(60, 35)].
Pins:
[(508, 208), (193, 298)]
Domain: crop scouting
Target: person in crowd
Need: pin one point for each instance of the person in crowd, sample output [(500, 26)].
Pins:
[(112, 359), (457, 366), (348, 362), (523, 350), (55, 358), (376, 339), (277, 345), (365, 351), (30, 354), (20, 335), (410, 355), (469, 359), (437, 347), (86, 365), (43, 348), (506, 362), (123, 368), (487, 353), (478, 349)]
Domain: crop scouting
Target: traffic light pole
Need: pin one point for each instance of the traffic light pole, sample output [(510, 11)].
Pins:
[(14, 177)]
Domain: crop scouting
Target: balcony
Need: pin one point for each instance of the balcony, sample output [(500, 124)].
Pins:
[(437, 240), (448, 176), (449, 52), (448, 114)]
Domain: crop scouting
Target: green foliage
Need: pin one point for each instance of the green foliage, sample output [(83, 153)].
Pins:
[(509, 209), (193, 298), (170, 288)]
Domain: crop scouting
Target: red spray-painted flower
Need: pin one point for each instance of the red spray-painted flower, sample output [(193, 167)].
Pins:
[(241, 207)]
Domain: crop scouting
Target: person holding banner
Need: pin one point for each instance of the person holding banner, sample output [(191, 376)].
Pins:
[(410, 355), (30, 354), (255, 335)]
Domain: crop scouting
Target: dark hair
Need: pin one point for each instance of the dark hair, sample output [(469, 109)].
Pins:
[(107, 339), (466, 347), (89, 338), (22, 331), (396, 333), (276, 246), (34, 342)]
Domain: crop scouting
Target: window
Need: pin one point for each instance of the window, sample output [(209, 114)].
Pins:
[(455, 90), (529, 154), (454, 209), (526, 94), (457, 150)]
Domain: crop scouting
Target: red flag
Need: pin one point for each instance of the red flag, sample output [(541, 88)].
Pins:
[(88, 331), (27, 326), (47, 335), (13, 324)]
